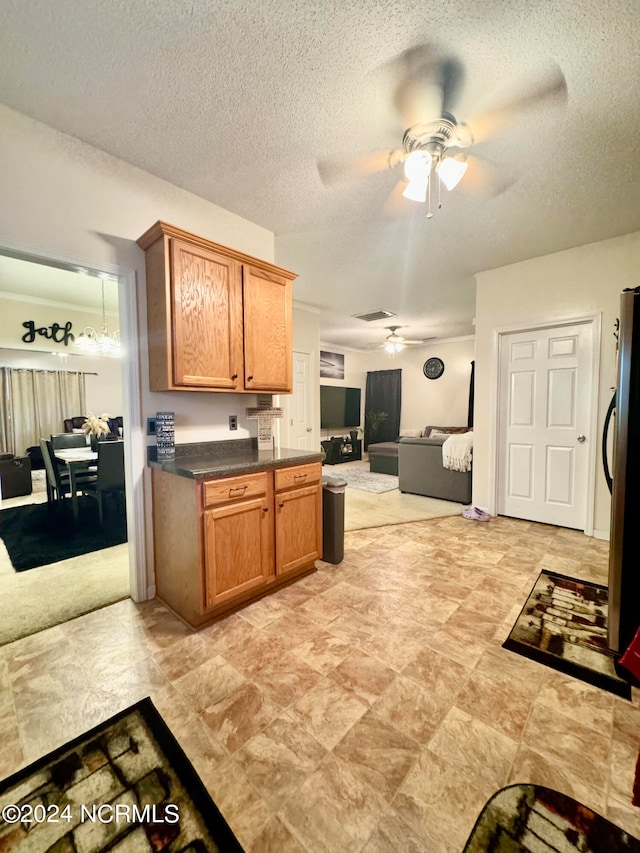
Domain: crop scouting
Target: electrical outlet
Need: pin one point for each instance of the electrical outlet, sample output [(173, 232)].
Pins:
[(151, 426), (233, 422)]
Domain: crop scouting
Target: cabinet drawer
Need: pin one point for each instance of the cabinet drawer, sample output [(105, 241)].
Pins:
[(234, 488), (299, 475)]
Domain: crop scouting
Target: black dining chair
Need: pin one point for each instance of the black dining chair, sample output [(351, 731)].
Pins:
[(67, 439), (110, 478), (58, 483)]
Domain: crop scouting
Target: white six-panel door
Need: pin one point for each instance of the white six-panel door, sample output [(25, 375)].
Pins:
[(300, 411), (545, 409)]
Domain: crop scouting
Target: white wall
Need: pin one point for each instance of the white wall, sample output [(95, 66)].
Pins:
[(578, 282), (62, 195), (442, 401)]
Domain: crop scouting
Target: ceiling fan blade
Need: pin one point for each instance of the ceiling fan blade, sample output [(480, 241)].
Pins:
[(332, 171), (484, 179), (550, 86), (395, 203), (428, 84)]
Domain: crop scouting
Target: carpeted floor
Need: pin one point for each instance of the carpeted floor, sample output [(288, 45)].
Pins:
[(563, 624), (534, 819), (35, 535), (52, 594), (124, 785)]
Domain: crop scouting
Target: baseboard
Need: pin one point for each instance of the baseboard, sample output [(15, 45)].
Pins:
[(600, 534)]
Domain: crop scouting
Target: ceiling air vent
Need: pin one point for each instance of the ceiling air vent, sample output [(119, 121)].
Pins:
[(374, 315)]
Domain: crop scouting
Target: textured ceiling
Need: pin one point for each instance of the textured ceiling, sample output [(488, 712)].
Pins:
[(235, 101)]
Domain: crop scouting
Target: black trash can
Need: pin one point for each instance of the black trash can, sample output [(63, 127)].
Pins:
[(333, 519)]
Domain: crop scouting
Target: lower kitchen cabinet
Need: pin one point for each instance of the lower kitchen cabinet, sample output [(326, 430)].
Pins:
[(222, 542), (298, 528), (237, 549)]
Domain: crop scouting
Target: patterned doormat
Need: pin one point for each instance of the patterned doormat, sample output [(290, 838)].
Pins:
[(533, 819), (563, 624), (124, 785)]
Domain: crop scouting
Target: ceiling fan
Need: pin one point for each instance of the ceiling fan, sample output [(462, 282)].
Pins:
[(435, 142), (396, 343)]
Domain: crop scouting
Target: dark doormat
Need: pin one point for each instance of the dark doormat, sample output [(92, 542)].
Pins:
[(533, 819), (563, 624), (35, 535), (124, 785)]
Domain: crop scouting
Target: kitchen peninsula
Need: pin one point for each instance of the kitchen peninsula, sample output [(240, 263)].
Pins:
[(233, 523)]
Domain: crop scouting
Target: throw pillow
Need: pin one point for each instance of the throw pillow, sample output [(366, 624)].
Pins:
[(410, 433), (436, 433)]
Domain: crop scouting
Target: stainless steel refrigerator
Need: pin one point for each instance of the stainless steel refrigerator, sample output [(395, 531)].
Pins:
[(624, 481)]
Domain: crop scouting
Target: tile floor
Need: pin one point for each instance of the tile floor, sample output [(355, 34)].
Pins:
[(368, 707)]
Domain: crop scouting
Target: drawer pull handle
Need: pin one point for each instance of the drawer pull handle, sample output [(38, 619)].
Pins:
[(249, 378), (235, 376), (265, 509), (280, 505), (299, 476), (241, 489)]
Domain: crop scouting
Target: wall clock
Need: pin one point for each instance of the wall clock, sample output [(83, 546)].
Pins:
[(433, 368)]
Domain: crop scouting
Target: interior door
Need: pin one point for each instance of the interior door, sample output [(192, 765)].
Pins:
[(545, 413), (300, 408)]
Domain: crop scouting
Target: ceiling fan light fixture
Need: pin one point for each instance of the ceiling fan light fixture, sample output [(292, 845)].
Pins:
[(416, 190), (417, 166), (451, 171)]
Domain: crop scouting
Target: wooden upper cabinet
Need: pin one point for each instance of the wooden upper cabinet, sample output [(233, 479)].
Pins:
[(206, 300), (267, 330), (218, 320)]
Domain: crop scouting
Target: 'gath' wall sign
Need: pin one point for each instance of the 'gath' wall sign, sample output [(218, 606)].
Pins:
[(54, 332)]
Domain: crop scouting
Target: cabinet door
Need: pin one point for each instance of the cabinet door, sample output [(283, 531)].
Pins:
[(237, 551), (267, 331), (298, 528), (206, 293)]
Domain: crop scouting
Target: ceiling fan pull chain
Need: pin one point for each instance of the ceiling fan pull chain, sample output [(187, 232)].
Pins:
[(439, 190), (429, 213)]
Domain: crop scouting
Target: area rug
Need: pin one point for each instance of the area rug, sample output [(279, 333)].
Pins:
[(563, 624), (534, 819), (34, 535), (367, 481), (125, 785)]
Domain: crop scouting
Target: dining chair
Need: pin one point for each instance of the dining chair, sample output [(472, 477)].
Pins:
[(58, 482), (67, 439), (110, 477)]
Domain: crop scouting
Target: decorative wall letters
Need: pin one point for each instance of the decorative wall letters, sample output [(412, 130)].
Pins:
[(54, 332)]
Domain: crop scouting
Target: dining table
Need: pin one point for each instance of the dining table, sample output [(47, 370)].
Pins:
[(76, 459)]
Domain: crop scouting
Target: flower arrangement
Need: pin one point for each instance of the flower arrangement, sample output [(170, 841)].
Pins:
[(96, 425)]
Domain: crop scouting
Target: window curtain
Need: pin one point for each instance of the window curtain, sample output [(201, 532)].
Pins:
[(35, 404), (383, 396), (471, 394)]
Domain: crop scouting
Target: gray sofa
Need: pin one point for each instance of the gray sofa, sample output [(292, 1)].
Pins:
[(420, 471)]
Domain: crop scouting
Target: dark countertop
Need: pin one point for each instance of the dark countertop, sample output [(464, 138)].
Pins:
[(212, 459)]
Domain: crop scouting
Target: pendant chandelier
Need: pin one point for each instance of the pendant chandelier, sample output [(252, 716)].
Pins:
[(104, 342)]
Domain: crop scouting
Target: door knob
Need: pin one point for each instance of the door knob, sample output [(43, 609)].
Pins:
[(309, 429), (582, 439)]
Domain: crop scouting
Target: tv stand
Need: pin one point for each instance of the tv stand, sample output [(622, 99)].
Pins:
[(340, 449)]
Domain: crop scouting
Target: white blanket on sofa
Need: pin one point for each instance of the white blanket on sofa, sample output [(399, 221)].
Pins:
[(456, 451)]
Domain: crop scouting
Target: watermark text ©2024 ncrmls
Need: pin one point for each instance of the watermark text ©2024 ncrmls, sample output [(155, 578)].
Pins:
[(95, 813)]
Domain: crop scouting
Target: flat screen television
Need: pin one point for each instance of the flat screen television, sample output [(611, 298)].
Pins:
[(339, 407)]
